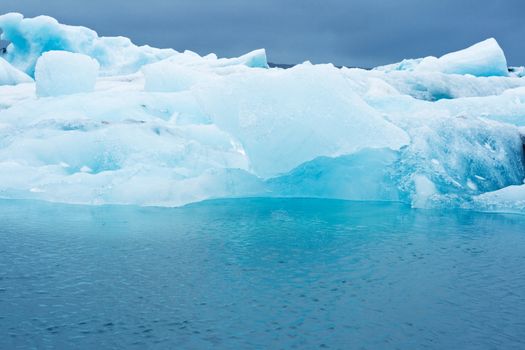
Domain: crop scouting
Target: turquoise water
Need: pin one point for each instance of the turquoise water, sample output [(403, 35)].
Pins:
[(260, 274)]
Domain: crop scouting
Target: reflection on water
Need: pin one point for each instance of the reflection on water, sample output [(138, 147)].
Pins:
[(260, 273)]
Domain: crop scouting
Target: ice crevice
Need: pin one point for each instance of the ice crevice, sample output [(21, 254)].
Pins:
[(96, 120)]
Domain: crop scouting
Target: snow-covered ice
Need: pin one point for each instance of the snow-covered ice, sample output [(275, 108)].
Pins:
[(483, 59), (181, 72), (160, 127), (9, 75), (30, 37), (62, 73)]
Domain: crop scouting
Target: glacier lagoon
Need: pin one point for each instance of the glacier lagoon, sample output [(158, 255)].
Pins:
[(361, 223), (260, 273)]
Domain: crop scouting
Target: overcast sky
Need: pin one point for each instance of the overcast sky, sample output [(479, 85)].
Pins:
[(361, 33)]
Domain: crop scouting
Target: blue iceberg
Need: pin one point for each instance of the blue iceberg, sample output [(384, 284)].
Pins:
[(139, 125)]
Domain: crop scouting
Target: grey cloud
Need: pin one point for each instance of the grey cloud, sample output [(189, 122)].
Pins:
[(345, 32)]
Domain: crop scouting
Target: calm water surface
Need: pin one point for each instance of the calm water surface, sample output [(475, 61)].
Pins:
[(260, 274)]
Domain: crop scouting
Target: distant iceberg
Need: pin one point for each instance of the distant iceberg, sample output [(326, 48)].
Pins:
[(109, 122), (483, 59)]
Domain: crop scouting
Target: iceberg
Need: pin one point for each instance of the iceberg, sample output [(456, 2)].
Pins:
[(61, 73), (483, 59), (510, 199), (181, 72), (31, 37), (108, 122)]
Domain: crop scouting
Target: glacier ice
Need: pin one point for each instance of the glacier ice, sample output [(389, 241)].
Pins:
[(9, 75), (483, 59), (62, 73), (181, 72), (509, 199), (159, 127), (170, 77), (434, 86), (30, 37), (284, 118)]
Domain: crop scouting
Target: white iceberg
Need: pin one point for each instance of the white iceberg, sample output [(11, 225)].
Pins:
[(509, 199), (483, 59), (157, 127), (31, 37), (62, 73)]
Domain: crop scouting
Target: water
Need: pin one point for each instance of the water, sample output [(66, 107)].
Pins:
[(260, 274)]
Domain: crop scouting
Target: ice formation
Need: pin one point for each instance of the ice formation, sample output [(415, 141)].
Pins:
[(31, 37), (483, 59), (9, 75), (62, 73), (166, 128), (181, 72)]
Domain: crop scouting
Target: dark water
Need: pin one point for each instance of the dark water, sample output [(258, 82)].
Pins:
[(260, 274)]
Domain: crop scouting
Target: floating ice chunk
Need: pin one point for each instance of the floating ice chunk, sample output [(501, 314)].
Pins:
[(482, 59), (30, 37), (62, 73), (9, 75)]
